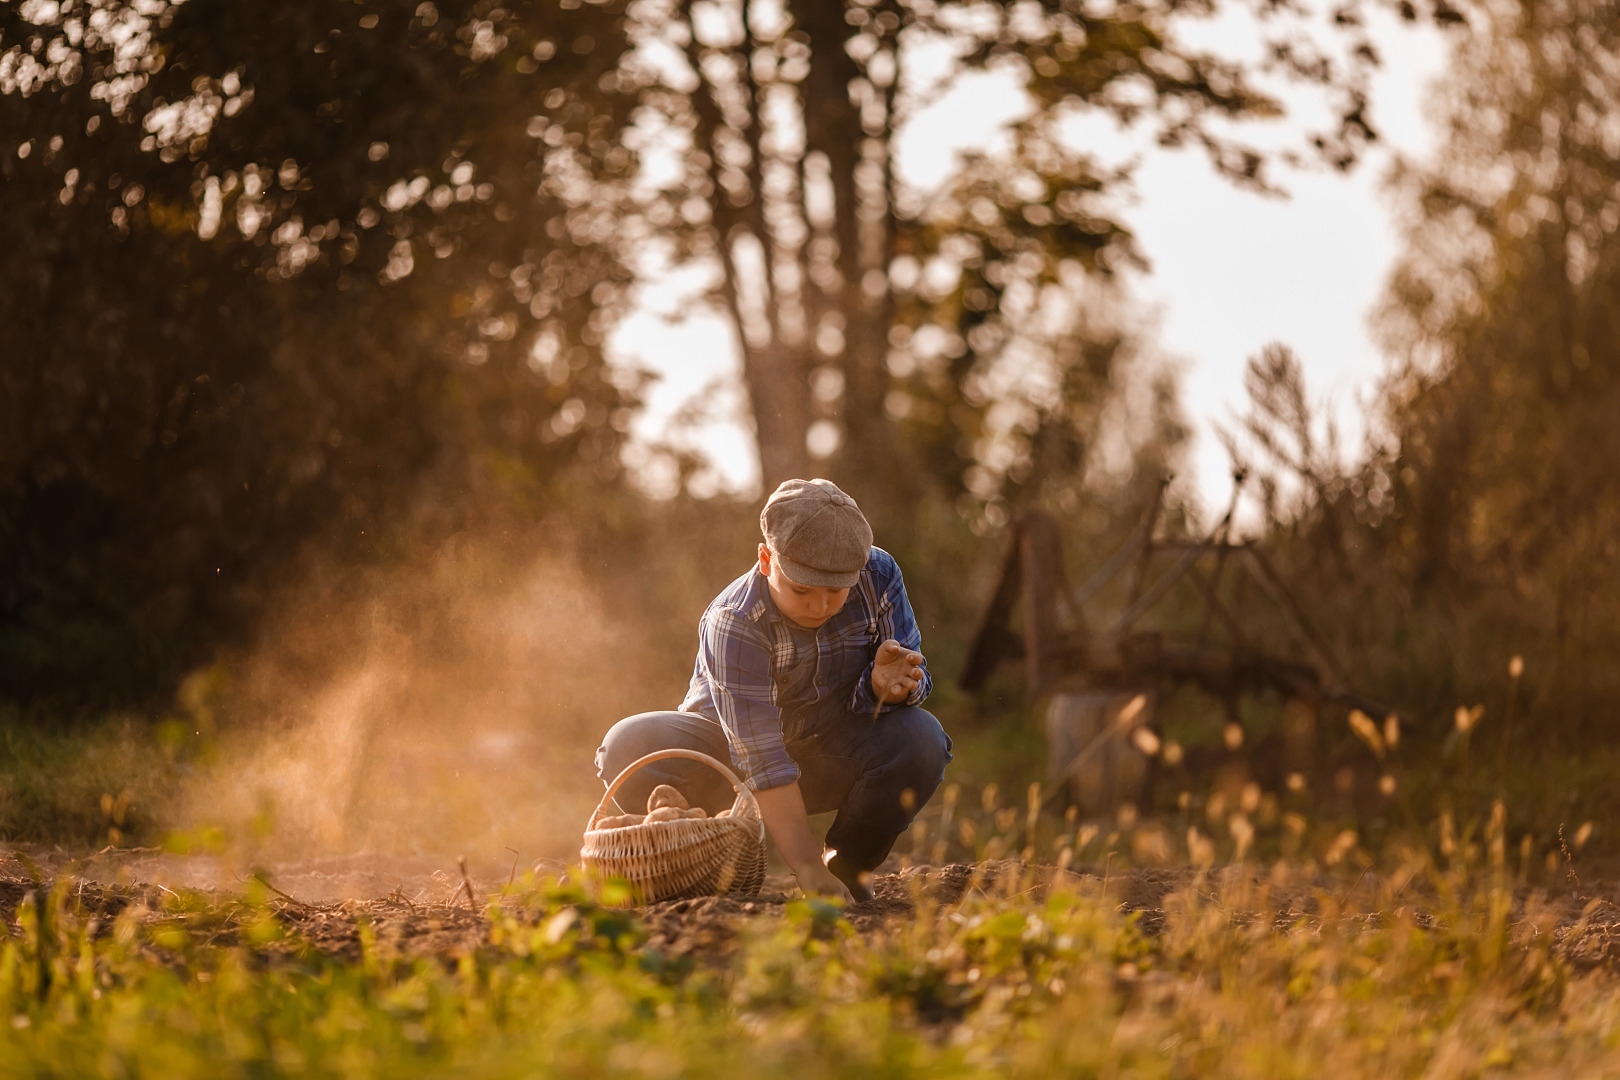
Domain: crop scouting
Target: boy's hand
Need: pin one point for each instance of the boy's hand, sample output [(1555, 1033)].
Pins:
[(782, 808), (896, 672), (816, 880)]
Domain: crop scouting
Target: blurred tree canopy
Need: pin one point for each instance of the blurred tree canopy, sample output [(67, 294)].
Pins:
[(296, 278), (1506, 310), (882, 326), (1483, 520), (278, 269), (1505, 318)]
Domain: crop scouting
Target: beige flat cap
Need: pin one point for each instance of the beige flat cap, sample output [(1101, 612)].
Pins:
[(816, 533)]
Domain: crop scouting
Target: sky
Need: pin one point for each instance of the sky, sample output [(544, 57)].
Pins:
[(1230, 270)]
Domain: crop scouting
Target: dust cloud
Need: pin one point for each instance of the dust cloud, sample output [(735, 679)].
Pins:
[(450, 707)]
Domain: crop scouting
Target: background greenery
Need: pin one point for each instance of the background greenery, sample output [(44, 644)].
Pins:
[(308, 438)]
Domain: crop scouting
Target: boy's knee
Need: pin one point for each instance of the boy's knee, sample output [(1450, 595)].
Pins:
[(607, 754), (634, 737), (922, 748), (625, 742)]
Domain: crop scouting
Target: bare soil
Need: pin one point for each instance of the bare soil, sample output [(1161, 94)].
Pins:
[(418, 908)]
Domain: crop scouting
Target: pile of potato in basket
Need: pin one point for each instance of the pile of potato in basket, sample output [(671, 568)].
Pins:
[(664, 804)]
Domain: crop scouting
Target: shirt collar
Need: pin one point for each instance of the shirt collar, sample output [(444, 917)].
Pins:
[(755, 600)]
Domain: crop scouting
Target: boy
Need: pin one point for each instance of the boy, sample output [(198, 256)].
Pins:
[(809, 680)]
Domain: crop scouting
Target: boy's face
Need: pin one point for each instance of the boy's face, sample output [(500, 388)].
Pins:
[(807, 605)]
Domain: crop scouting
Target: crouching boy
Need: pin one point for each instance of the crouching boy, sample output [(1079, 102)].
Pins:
[(809, 678)]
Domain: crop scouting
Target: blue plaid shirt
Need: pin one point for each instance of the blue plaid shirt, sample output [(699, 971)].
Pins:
[(744, 649)]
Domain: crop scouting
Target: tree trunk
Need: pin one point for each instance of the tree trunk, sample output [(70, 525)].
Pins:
[(862, 230), (774, 370)]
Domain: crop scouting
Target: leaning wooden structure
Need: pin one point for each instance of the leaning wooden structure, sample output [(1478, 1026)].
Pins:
[(1088, 667)]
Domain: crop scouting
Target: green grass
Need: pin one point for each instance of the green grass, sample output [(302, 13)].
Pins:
[(84, 784), (1235, 982), (1423, 951)]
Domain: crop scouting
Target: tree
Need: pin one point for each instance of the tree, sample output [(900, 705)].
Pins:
[(864, 308), (293, 274), (1506, 309), (1481, 523)]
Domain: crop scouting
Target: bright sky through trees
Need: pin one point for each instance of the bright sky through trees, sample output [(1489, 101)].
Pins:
[(1231, 270)]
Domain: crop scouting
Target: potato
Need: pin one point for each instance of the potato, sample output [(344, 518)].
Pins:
[(697, 812), (666, 813), (724, 813), (664, 795), (619, 822)]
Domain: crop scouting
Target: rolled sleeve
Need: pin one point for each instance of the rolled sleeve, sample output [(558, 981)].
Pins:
[(736, 660)]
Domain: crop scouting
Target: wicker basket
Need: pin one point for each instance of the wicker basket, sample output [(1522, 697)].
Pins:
[(671, 860)]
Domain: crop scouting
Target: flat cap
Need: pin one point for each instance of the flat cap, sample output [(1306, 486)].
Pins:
[(816, 533)]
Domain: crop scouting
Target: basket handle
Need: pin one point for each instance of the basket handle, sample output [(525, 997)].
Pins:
[(745, 797)]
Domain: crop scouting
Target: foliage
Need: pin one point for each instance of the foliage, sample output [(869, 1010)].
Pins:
[(85, 786), (321, 285), (873, 318), (295, 275), (1478, 523), (1504, 316), (1435, 972)]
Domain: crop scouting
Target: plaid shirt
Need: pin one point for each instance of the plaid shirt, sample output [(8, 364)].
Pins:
[(744, 650)]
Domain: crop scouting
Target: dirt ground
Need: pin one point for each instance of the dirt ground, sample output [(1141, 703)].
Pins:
[(417, 907)]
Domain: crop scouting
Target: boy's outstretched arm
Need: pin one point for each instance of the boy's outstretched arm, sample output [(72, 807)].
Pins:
[(789, 826)]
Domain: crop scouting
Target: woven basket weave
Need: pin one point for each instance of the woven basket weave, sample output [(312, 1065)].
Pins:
[(673, 860)]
